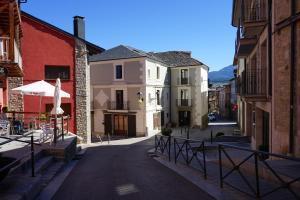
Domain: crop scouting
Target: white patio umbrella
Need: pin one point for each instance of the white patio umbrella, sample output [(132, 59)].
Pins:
[(41, 89)]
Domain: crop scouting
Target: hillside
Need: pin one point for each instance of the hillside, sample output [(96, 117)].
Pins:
[(223, 75)]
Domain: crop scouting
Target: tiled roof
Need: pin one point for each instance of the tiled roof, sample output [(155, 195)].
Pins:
[(171, 58), (122, 52), (177, 58)]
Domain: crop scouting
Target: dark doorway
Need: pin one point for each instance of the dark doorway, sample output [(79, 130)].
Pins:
[(107, 124), (162, 118), (265, 138), (184, 118), (131, 126), (120, 125), (119, 100)]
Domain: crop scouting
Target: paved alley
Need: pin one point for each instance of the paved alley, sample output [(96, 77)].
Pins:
[(125, 172)]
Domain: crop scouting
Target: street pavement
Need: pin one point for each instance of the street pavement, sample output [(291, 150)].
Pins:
[(125, 172)]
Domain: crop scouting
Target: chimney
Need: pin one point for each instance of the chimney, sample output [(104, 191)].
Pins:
[(79, 27)]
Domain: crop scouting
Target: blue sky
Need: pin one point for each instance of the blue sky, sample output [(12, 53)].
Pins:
[(200, 26)]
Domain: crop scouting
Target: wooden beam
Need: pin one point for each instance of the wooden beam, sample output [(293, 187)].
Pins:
[(2, 8), (287, 22), (11, 31)]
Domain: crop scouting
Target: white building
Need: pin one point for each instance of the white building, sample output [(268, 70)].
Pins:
[(131, 93)]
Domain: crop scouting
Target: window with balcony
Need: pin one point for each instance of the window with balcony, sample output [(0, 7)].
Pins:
[(184, 97), (158, 102), (119, 100), (184, 76), (53, 72)]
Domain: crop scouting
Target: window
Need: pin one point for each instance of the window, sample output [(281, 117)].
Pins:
[(53, 72), (157, 73), (149, 98), (119, 72), (149, 75), (184, 76), (157, 97), (65, 106)]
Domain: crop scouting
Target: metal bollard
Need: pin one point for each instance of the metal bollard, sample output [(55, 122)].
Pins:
[(32, 158)]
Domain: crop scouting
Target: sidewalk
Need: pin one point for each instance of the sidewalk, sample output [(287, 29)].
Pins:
[(196, 133), (194, 173)]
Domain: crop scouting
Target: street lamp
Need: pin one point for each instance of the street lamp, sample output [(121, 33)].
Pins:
[(140, 97)]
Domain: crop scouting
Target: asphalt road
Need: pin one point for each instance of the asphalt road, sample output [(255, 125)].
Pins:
[(125, 172)]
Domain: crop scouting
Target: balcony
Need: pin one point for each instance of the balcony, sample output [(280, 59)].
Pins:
[(184, 102), (113, 105), (183, 81), (244, 45), (10, 23), (4, 49), (253, 85), (254, 17)]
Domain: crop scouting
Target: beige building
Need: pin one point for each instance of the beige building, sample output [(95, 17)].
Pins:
[(267, 55), (131, 91), (189, 89)]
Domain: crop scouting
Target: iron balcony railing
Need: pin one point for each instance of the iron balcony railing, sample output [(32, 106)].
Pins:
[(183, 81), (4, 49), (184, 102), (252, 82), (114, 105), (255, 12)]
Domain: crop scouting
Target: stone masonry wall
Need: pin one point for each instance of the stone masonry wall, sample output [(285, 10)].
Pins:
[(15, 101), (82, 85)]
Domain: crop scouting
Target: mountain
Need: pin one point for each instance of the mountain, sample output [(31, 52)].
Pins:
[(223, 75)]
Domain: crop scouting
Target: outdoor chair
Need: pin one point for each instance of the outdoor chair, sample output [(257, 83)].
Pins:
[(47, 133), (5, 128)]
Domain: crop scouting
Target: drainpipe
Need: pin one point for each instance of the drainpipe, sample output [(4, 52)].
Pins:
[(270, 62), (170, 96), (292, 78)]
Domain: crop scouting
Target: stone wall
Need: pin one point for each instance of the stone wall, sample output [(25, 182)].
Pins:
[(15, 101), (82, 87)]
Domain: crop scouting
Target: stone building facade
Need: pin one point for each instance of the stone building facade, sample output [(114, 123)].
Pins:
[(267, 54), (82, 85)]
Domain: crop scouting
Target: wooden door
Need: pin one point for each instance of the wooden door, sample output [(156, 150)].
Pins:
[(107, 124), (131, 126)]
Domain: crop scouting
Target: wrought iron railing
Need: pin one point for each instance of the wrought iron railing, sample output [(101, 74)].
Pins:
[(190, 151), (183, 81), (6, 169), (163, 145), (260, 177), (255, 12), (114, 105), (184, 102)]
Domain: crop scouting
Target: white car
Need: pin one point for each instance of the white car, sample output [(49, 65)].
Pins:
[(211, 117)]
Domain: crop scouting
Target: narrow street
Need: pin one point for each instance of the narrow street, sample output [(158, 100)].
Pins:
[(125, 172)]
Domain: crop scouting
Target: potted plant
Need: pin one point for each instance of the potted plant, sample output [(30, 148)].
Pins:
[(166, 131), (264, 148)]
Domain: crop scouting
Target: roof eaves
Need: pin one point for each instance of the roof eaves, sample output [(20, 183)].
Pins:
[(125, 58), (23, 13)]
